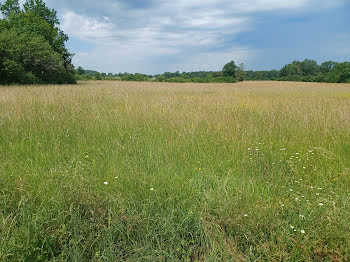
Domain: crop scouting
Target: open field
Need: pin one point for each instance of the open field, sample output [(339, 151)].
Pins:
[(108, 171)]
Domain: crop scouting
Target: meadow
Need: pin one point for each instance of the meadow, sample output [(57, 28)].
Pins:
[(132, 171)]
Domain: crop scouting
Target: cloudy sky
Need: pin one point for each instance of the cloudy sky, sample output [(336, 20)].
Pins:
[(153, 36)]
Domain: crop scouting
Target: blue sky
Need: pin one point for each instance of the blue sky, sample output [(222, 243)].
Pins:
[(191, 35)]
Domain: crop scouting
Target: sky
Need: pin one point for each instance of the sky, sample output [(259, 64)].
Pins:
[(154, 36)]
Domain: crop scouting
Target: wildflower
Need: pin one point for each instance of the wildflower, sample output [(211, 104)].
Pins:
[(304, 167), (245, 215), (301, 216), (291, 190), (106, 183), (151, 189), (296, 199), (320, 204), (116, 177), (302, 231), (282, 205), (317, 194), (292, 227), (319, 188), (87, 156)]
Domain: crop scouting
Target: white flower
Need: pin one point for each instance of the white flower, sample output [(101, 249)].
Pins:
[(282, 205), (297, 153), (292, 227), (301, 216), (317, 194), (151, 189), (302, 231), (319, 188), (291, 190), (116, 177), (320, 204), (106, 183), (245, 215), (296, 199)]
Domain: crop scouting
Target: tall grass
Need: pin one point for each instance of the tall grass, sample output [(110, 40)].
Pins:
[(108, 171)]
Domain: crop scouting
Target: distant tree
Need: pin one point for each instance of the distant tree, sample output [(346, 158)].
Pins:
[(326, 67), (309, 67), (230, 69), (80, 70), (291, 69), (240, 73), (97, 76)]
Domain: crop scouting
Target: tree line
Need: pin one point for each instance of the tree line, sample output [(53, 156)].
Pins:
[(300, 71)]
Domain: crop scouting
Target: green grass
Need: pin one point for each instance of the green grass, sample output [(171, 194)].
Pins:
[(195, 172)]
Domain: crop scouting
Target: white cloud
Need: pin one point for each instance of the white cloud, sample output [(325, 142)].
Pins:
[(180, 34)]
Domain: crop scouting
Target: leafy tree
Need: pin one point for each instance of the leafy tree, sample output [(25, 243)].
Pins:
[(9, 7), (97, 76), (291, 69), (240, 73), (326, 67), (32, 50), (230, 69), (39, 8), (309, 67), (80, 70)]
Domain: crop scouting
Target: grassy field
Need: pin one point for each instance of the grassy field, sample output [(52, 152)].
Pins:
[(108, 171)]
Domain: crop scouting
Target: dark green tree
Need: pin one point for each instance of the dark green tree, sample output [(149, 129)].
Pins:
[(32, 49), (309, 67), (230, 69), (326, 67), (80, 70), (9, 7), (97, 76)]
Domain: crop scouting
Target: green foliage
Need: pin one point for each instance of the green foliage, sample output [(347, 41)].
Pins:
[(32, 49), (98, 76), (262, 75), (134, 77), (9, 7), (80, 70), (310, 71), (230, 69)]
